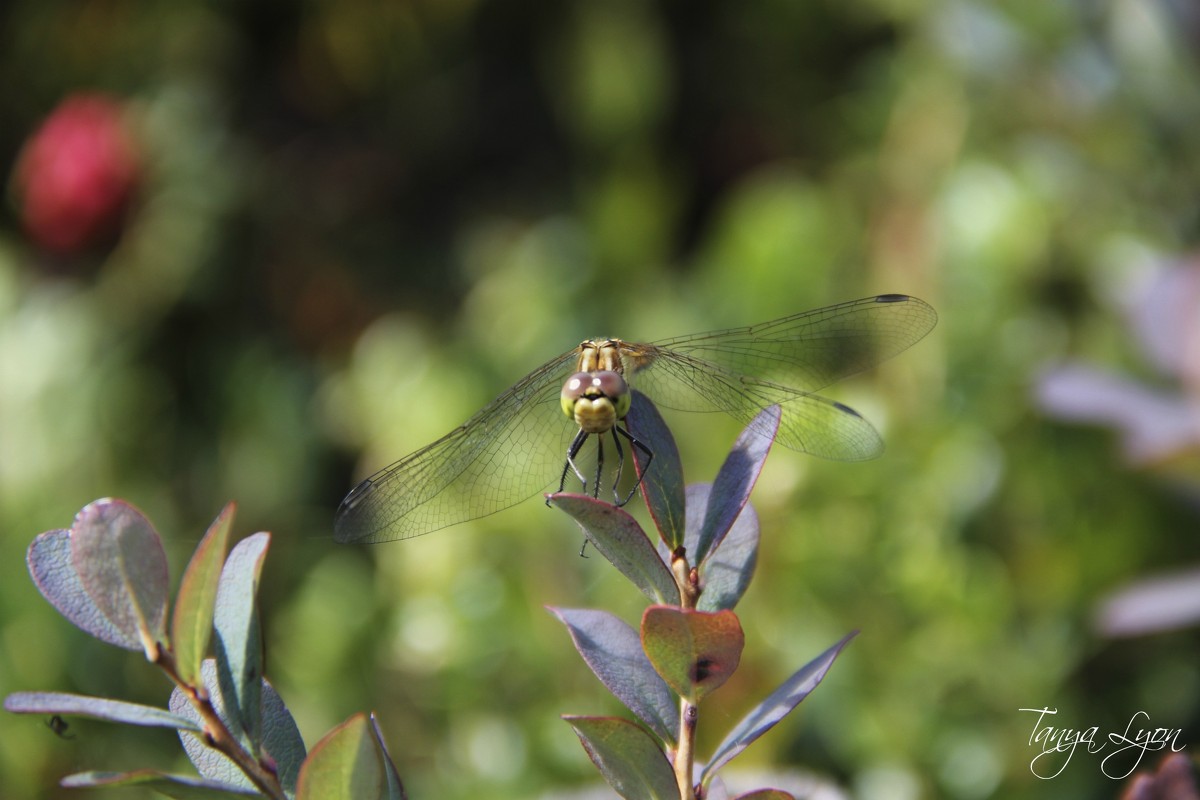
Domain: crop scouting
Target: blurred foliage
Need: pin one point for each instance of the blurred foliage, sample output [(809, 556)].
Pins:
[(356, 222)]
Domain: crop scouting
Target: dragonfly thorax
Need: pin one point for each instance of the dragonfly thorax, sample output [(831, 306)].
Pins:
[(596, 401), (599, 355)]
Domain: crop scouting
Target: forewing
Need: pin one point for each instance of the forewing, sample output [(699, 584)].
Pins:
[(505, 453), (806, 351)]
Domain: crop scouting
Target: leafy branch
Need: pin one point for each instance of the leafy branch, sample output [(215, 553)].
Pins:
[(107, 574), (690, 640)]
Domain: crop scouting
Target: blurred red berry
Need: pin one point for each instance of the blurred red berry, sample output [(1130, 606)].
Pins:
[(76, 174)]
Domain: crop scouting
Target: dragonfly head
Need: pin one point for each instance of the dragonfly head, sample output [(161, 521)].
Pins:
[(595, 400)]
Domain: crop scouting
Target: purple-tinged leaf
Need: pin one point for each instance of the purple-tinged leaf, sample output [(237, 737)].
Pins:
[(281, 738), (715, 788), (345, 765), (395, 789), (96, 707), (766, 794), (192, 622), (728, 569), (662, 484), (238, 642), (694, 651), (181, 787), (614, 652), (777, 706), (121, 563), (49, 560), (737, 477), (629, 759), (618, 537)]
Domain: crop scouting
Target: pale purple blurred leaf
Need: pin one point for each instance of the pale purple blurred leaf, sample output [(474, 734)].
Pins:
[(1153, 425), (1166, 319), (1159, 603)]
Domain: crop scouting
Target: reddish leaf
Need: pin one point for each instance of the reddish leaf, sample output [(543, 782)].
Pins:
[(694, 651)]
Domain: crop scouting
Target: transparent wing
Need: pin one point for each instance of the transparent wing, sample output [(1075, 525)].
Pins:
[(741, 370), (504, 454)]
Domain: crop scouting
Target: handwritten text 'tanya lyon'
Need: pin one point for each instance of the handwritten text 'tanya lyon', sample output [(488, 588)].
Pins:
[(1055, 742)]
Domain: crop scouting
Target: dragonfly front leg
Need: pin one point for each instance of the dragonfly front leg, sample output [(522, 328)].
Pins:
[(569, 464)]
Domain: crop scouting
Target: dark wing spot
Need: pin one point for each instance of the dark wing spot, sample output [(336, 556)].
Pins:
[(891, 298), (847, 409)]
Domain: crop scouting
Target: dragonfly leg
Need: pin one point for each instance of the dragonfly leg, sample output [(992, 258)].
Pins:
[(620, 467), (599, 467), (569, 464), (638, 444)]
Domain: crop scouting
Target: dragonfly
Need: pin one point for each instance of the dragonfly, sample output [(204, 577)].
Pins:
[(518, 444)]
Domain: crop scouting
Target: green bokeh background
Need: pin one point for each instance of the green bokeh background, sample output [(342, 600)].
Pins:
[(360, 221)]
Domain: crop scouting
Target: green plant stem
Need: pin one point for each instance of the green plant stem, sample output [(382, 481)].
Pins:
[(217, 735), (685, 752), (687, 579)]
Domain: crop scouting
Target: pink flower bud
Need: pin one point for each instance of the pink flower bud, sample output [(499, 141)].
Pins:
[(76, 174)]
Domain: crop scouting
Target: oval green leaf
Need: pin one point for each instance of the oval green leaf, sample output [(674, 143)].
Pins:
[(694, 651), (192, 622), (628, 758), (238, 642), (345, 765)]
